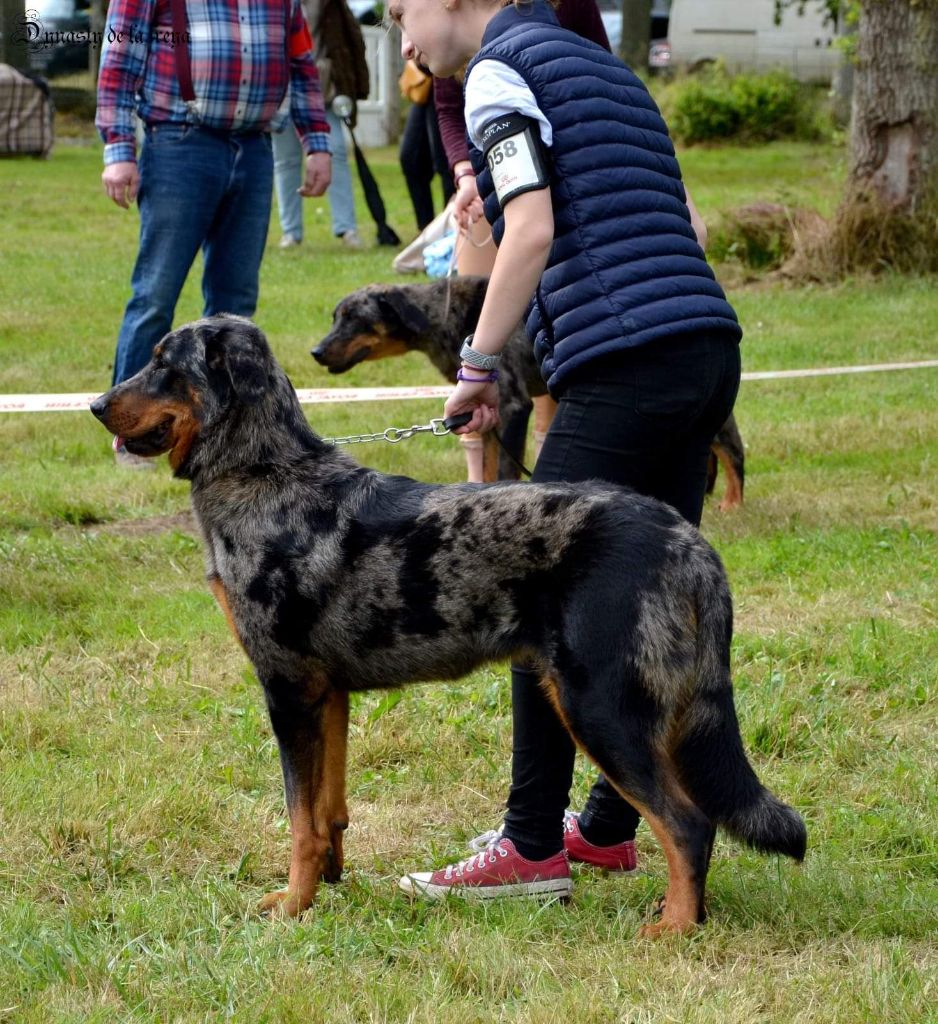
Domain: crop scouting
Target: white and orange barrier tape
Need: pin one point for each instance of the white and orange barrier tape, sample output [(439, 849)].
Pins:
[(79, 402)]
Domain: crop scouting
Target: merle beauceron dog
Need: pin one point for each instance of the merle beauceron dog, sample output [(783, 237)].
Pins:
[(337, 578), (382, 320)]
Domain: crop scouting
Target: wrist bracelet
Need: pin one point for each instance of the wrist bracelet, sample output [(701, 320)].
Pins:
[(463, 174), (489, 378), (479, 360)]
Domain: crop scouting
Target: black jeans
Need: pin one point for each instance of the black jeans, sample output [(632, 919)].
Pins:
[(645, 418), (421, 156)]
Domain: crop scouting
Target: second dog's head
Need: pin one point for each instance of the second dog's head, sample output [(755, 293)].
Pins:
[(372, 323), (196, 375)]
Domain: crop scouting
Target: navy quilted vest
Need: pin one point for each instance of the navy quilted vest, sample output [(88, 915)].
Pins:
[(625, 268)]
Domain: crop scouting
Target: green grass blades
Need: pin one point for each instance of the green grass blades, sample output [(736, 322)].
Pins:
[(141, 801)]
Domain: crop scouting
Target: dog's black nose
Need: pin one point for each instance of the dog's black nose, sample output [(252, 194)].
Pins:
[(99, 406), (319, 354)]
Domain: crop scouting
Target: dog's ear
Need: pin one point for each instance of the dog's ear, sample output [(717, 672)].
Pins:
[(397, 310), (241, 348)]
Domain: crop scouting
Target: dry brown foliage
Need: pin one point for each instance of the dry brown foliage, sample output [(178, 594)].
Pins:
[(866, 235)]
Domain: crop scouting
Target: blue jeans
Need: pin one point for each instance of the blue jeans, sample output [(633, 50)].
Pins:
[(288, 176), (198, 189)]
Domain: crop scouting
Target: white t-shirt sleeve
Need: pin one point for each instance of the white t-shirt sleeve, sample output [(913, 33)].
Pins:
[(494, 90)]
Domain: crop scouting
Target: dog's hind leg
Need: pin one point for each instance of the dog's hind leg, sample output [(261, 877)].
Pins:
[(545, 408), (490, 458), (311, 730), (331, 803), (623, 743), (728, 448)]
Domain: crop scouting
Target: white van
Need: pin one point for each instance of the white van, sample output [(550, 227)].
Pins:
[(744, 34)]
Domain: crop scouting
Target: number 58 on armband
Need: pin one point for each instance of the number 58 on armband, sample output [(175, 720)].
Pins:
[(515, 155)]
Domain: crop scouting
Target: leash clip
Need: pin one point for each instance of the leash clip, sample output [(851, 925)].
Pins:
[(450, 423)]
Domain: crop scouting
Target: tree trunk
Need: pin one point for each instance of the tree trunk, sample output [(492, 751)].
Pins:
[(98, 8), (14, 33), (842, 84), (636, 35), (894, 137)]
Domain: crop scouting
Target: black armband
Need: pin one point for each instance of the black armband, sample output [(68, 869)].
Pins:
[(516, 156)]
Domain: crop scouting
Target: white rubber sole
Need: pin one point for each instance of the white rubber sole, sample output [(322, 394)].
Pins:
[(419, 884)]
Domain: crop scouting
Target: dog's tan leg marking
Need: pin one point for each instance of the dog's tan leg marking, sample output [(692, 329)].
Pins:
[(733, 497), (307, 860), (218, 590), (317, 812), (330, 809), (489, 457), (682, 899), (544, 410)]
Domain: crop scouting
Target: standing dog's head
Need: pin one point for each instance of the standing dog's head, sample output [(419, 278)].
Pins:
[(372, 323), (196, 375)]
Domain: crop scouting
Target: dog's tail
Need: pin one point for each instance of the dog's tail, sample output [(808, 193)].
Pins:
[(709, 755)]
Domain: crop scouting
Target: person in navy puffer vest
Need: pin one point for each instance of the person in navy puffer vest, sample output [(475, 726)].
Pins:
[(634, 337)]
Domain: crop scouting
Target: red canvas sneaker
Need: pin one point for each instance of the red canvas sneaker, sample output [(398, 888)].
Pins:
[(497, 871), (619, 857)]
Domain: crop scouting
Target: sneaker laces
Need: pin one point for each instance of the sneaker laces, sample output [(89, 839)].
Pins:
[(485, 852), (485, 839)]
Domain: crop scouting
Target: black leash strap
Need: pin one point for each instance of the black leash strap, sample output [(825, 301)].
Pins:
[(524, 469), (463, 418)]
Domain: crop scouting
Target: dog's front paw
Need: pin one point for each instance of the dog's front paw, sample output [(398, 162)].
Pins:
[(283, 904), (664, 924), (661, 928), (335, 855), (332, 869)]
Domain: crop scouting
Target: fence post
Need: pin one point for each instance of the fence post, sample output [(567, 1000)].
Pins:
[(379, 117)]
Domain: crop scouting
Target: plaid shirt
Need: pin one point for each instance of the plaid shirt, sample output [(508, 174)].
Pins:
[(238, 56)]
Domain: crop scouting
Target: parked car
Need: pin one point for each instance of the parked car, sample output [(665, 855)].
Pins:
[(659, 50), (743, 33)]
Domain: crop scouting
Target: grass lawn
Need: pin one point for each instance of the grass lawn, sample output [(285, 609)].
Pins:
[(141, 806)]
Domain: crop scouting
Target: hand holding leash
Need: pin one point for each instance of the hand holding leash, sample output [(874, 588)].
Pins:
[(479, 399)]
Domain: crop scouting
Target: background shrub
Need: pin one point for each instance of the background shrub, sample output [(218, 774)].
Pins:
[(713, 105)]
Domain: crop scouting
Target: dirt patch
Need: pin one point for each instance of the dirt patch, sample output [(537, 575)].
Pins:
[(184, 522)]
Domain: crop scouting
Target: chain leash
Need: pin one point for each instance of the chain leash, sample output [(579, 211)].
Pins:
[(437, 427)]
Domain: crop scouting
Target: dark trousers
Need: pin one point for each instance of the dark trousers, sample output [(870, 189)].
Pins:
[(643, 418), (421, 157)]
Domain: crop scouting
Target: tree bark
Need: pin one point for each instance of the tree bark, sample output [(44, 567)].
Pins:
[(894, 136), (842, 84), (13, 34), (636, 35)]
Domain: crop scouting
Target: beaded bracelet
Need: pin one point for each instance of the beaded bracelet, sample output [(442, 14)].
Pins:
[(489, 378)]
